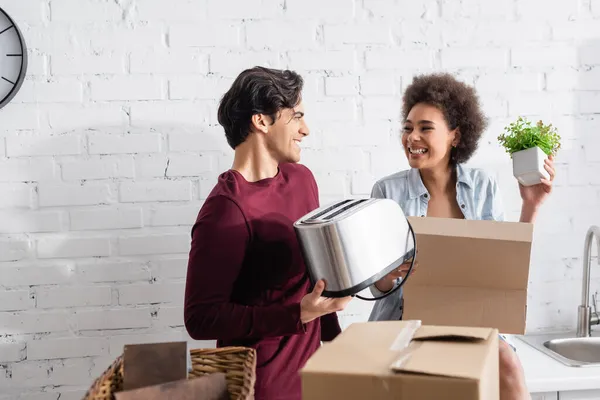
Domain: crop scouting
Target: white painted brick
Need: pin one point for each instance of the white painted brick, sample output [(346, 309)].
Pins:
[(118, 342), (197, 87), (20, 116), (98, 167), (388, 108), (250, 9), (589, 80), (510, 82), (334, 60), (31, 11), (347, 159), (273, 35), (69, 347), (124, 318), (378, 84), (37, 65), (362, 183), (168, 113), (17, 195), (64, 118), (484, 9), (130, 87), (10, 352), (51, 195), (409, 59), (591, 151), (29, 145), (332, 10), (74, 372), (80, 296), (130, 143), (32, 275), (15, 300), (14, 323), (151, 165), (341, 86), (400, 10), (484, 33), (207, 34), (544, 56), (530, 104), (376, 33), (595, 8), (418, 34), (113, 272), (333, 183), (17, 221), (494, 105), (111, 37), (14, 249), (152, 293), (174, 268), (231, 64), (474, 58), (85, 11), (562, 10), (207, 185), (188, 165), (174, 61), (106, 218), (174, 215), (204, 140), (177, 10), (376, 132), (132, 192), (154, 244), (27, 169), (75, 394), (69, 64), (169, 317), (334, 110), (71, 247), (62, 91), (589, 56)]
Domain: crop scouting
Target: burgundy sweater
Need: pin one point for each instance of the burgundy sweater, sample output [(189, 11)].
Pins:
[(246, 276)]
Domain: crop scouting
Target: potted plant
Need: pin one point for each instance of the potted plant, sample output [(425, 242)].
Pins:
[(529, 145)]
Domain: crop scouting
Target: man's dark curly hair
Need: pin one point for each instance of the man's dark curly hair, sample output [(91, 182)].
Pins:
[(459, 104), (257, 90)]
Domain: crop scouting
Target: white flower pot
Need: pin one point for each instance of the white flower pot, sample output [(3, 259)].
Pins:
[(528, 166)]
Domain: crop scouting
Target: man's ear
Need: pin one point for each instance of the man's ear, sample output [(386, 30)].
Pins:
[(260, 123)]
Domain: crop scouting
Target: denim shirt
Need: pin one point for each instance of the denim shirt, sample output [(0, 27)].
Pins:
[(476, 193)]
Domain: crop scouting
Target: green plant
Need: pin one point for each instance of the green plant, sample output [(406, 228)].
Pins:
[(522, 135)]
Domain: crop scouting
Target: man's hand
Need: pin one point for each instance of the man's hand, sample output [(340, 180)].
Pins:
[(314, 306), (386, 283)]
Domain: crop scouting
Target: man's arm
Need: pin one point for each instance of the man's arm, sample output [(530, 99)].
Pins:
[(219, 241)]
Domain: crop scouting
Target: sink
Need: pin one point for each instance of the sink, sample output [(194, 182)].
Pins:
[(567, 348)]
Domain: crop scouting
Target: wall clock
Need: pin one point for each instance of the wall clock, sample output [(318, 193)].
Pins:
[(13, 58)]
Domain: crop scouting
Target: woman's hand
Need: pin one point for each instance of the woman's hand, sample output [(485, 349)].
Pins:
[(386, 283), (534, 196)]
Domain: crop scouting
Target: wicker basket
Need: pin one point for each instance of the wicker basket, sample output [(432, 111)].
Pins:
[(238, 363)]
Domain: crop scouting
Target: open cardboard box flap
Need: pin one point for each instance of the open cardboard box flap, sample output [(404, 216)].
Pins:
[(445, 345), (470, 273)]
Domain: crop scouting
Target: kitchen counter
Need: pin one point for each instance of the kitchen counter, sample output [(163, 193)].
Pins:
[(545, 374)]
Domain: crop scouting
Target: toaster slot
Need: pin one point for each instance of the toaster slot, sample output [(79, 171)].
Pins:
[(325, 211), (343, 209)]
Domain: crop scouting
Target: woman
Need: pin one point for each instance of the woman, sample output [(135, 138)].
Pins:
[(442, 125)]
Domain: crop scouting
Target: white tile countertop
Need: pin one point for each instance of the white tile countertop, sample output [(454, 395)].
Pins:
[(545, 374)]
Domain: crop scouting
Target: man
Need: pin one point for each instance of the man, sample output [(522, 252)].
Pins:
[(247, 284)]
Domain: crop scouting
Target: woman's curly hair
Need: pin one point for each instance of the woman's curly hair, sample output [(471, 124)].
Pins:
[(459, 104)]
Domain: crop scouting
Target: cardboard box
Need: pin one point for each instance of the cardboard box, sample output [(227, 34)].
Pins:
[(470, 273), (439, 363)]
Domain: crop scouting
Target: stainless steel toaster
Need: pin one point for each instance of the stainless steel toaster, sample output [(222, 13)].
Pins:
[(353, 243)]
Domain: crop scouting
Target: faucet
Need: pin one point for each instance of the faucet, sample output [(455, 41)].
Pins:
[(584, 315)]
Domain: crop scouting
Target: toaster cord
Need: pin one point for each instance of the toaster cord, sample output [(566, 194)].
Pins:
[(403, 281)]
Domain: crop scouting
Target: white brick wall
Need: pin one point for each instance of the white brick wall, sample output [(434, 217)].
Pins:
[(112, 144)]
